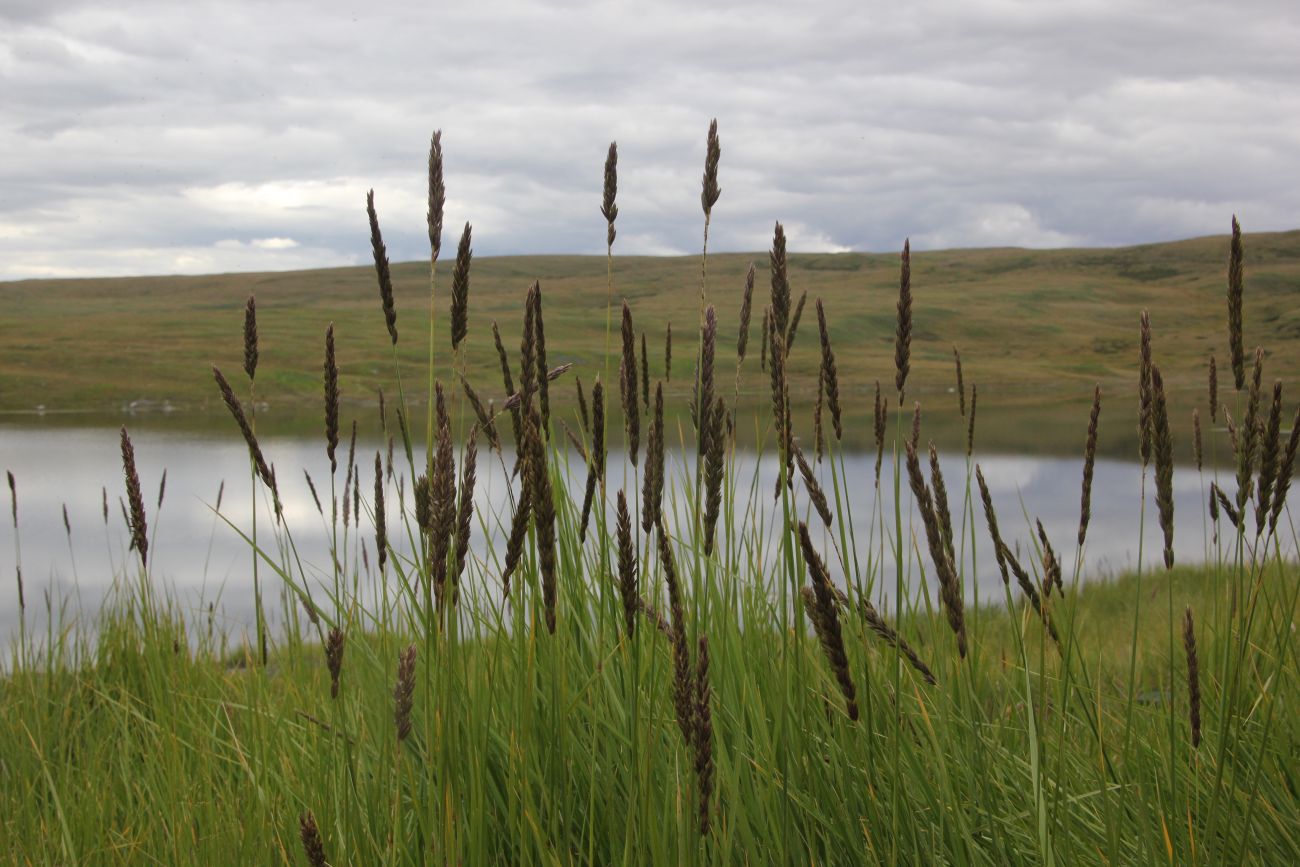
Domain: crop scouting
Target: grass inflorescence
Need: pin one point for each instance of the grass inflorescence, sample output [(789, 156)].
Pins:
[(486, 692)]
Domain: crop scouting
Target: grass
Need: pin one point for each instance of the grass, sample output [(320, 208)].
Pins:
[(100, 344), (635, 696)]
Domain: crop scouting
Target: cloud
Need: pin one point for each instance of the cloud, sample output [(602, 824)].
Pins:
[(148, 133)]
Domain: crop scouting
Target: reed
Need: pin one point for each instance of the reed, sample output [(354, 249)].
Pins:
[(949, 586), (250, 338), (382, 271), (903, 334), (1236, 342), (890, 636), (138, 523), (795, 317), (241, 419), (1198, 452), (779, 311), (1284, 471), (627, 566), (507, 381), (645, 375), (684, 694), (819, 602), (627, 389), (380, 520), (816, 495), (668, 353), (1214, 390), (544, 375), (652, 487), (1051, 564), (1164, 456), (312, 845), (970, 421), (1193, 677), (486, 421), (1248, 446), (1089, 462), (404, 692), (465, 509), (608, 206), (879, 418), (334, 645), (596, 462), (961, 385), (704, 764), (460, 289), (746, 310), (1145, 396), (1268, 460), (714, 464), (830, 376), (18, 562)]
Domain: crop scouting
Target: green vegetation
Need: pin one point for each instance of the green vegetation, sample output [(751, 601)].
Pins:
[(1031, 324), (686, 666)]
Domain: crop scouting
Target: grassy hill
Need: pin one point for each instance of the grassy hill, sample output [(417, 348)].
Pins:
[(1028, 323)]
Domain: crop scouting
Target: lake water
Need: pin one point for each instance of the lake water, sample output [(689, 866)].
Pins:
[(202, 560)]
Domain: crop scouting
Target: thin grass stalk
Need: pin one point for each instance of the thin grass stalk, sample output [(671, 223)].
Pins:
[(382, 272), (1236, 342), (961, 385), (795, 318), (1193, 677), (596, 465), (684, 694), (816, 495), (460, 288), (627, 567), (704, 763), (668, 353), (1089, 461), (404, 692), (334, 646), (465, 509), (652, 487), (820, 603), (1249, 443), (970, 429), (714, 463), (627, 382), (381, 523), (903, 335), (1268, 460), (890, 636), (1144, 391), (312, 845), (1284, 471), (18, 559), (138, 523), (507, 381), (1214, 390), (830, 373)]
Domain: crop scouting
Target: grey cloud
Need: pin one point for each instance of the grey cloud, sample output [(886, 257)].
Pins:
[(165, 129)]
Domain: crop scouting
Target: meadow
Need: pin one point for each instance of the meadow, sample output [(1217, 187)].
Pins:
[(669, 668)]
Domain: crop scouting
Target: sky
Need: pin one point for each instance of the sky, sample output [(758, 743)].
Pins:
[(162, 137)]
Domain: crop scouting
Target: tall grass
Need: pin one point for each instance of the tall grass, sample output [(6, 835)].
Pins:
[(724, 678)]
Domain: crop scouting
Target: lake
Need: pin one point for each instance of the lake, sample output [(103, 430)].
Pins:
[(200, 559)]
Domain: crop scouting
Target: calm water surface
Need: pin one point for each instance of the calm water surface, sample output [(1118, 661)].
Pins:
[(202, 560)]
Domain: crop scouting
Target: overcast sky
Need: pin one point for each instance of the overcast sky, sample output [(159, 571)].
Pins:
[(169, 137)]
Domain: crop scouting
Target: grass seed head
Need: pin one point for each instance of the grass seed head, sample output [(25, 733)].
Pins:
[(460, 289), (382, 272), (608, 207)]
